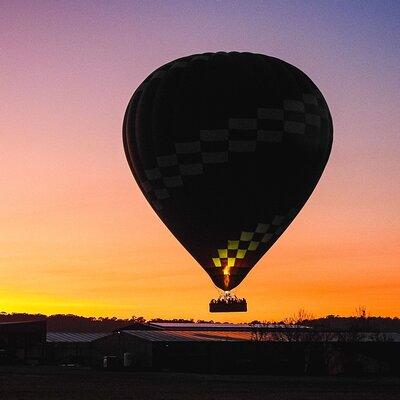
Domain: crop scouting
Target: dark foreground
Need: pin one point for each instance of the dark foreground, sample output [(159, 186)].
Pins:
[(45, 383)]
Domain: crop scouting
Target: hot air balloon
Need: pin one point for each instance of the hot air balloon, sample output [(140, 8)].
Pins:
[(227, 148)]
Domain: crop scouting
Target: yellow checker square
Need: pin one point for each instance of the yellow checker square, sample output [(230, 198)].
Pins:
[(233, 244), (246, 236), (253, 245), (217, 262), (231, 262), (241, 253), (223, 253)]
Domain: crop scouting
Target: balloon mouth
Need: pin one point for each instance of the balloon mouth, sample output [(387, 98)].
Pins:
[(227, 275)]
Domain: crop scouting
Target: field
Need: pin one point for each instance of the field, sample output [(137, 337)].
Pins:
[(45, 383)]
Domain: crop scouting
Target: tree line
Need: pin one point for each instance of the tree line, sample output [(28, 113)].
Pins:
[(361, 321)]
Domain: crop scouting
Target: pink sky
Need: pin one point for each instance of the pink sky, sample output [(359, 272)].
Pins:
[(76, 234)]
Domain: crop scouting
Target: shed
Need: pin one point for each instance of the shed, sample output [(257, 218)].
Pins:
[(71, 348), (243, 351), (22, 341)]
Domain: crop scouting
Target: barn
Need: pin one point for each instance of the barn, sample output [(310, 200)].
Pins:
[(194, 347), (71, 348), (230, 348), (22, 342)]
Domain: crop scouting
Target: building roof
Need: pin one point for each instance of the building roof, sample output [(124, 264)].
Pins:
[(139, 327), (192, 326), (190, 336), (74, 337), (24, 327), (235, 336)]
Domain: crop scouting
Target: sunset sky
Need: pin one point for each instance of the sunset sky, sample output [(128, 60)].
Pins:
[(77, 235)]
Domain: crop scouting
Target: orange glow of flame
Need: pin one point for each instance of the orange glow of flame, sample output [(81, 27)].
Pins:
[(226, 272)]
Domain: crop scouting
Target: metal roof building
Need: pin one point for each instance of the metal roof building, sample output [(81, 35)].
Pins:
[(71, 348), (238, 348), (191, 336), (223, 348), (186, 350), (22, 341), (73, 337)]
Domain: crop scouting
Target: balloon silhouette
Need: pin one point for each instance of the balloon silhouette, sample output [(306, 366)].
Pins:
[(227, 148)]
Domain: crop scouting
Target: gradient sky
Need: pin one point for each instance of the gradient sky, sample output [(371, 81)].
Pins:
[(76, 234)]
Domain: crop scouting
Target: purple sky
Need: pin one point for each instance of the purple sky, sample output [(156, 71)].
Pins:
[(69, 206)]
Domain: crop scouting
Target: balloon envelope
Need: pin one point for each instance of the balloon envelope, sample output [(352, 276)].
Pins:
[(227, 148)]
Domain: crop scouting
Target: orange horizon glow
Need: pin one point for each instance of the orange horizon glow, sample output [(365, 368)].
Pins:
[(77, 235)]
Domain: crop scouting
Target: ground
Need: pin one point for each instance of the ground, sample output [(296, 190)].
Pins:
[(45, 383)]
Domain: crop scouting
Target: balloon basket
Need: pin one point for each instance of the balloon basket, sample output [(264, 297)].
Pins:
[(228, 303)]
